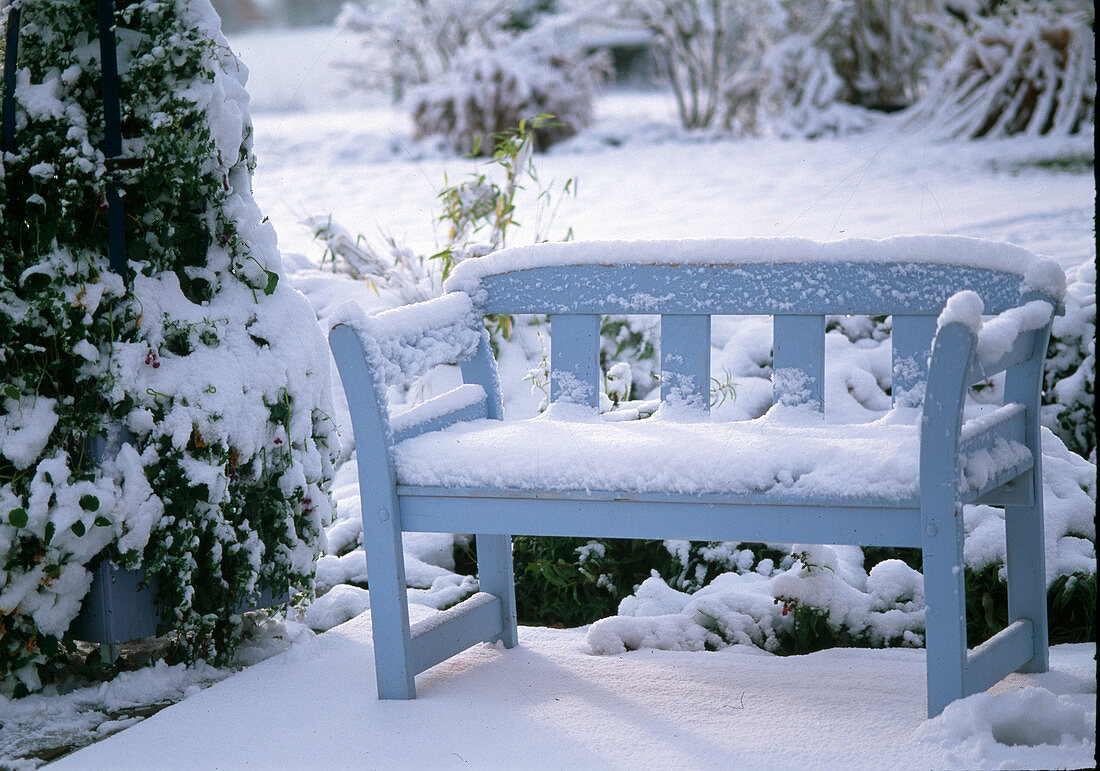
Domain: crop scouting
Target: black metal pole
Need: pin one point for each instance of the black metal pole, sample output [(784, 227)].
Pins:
[(112, 118), (11, 53)]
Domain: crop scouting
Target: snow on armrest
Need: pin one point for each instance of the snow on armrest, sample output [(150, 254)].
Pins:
[(414, 338), (1002, 341), (999, 335), (962, 308), (441, 411)]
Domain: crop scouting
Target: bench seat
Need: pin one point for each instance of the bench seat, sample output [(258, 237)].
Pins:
[(767, 457)]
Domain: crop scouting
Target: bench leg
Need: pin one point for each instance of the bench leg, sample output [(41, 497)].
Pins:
[(1027, 585), (945, 600), (389, 604), (495, 576)]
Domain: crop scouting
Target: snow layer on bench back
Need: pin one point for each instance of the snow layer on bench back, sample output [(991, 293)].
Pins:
[(1038, 274)]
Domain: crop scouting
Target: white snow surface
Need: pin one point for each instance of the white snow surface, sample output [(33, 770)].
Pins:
[(549, 704), (962, 308), (784, 452)]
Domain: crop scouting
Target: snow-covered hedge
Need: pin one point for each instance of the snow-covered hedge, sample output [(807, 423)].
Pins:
[(180, 422)]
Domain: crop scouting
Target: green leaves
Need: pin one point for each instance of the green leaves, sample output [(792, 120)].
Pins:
[(89, 503), (11, 391), (279, 412), (17, 518), (272, 281)]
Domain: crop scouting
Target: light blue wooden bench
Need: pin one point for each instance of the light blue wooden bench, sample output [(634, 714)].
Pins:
[(993, 459)]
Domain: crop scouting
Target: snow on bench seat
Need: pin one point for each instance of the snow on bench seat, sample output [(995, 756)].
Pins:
[(804, 458)]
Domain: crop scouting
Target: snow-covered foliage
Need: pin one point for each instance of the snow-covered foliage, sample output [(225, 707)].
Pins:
[(179, 421), (1026, 68), (709, 49), (1070, 374), (803, 597), (879, 48), (410, 42), (383, 263), (790, 68), (831, 64), (490, 90), (469, 70), (796, 93)]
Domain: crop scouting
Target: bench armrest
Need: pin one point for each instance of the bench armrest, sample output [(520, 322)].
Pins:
[(1010, 339), (964, 352), (409, 341), (467, 402), (373, 352)]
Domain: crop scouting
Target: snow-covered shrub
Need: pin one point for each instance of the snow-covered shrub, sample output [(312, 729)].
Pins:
[(479, 212), (791, 68), (471, 69), (708, 49), (382, 263), (630, 342), (488, 90), (879, 48), (796, 92), (1026, 68), (801, 598), (404, 43), (178, 421), (573, 581), (1069, 385)]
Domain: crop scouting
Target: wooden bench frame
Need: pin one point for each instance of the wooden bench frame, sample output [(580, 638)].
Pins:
[(938, 364)]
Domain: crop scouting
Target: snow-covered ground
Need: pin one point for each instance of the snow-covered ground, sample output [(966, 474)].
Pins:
[(551, 703)]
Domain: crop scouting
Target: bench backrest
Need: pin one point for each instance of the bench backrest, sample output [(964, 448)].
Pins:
[(797, 282)]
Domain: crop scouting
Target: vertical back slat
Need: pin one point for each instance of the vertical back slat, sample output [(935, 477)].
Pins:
[(575, 358), (798, 360), (911, 340), (685, 360)]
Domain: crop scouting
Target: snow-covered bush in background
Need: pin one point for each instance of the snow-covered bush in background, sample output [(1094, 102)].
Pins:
[(473, 68), (785, 67), (489, 90), (879, 48), (1023, 68), (410, 42), (708, 49), (1069, 377), (207, 377), (796, 92)]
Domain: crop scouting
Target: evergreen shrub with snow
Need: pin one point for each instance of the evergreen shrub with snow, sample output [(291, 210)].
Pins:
[(178, 421)]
